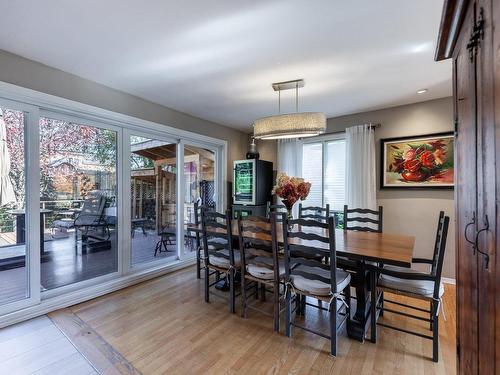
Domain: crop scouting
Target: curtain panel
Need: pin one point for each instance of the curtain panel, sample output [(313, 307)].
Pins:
[(360, 167)]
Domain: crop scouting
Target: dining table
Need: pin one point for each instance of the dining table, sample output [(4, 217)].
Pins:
[(360, 249)]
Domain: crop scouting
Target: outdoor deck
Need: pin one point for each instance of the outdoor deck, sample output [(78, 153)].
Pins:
[(66, 266)]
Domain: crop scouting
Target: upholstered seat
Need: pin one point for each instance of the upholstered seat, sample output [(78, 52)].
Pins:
[(64, 224), (262, 272), (214, 243), (317, 287), (421, 287), (221, 261)]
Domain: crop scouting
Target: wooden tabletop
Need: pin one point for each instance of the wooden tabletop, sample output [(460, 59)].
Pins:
[(366, 246)]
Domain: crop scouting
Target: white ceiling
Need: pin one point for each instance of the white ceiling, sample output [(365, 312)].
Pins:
[(217, 59)]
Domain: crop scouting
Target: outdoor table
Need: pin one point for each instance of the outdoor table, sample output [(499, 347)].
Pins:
[(21, 230)]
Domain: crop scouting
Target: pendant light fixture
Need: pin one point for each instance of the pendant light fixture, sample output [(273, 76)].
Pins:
[(289, 125)]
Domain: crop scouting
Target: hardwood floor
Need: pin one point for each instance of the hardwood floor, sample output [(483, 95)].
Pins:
[(162, 326)]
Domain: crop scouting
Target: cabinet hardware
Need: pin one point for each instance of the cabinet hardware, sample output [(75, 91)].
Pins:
[(477, 34), (473, 222), (484, 253)]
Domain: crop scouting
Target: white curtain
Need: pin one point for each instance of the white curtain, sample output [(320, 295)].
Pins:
[(290, 161), (360, 186)]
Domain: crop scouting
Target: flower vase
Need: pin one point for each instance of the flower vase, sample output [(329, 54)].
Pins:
[(289, 217)]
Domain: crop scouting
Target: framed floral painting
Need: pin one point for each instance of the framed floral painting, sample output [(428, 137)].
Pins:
[(417, 162)]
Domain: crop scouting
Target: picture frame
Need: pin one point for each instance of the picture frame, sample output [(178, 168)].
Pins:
[(418, 162)]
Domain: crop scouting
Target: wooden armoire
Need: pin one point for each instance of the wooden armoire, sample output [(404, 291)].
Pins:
[(470, 36)]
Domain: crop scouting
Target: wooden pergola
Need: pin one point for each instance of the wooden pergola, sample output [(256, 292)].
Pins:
[(160, 179)]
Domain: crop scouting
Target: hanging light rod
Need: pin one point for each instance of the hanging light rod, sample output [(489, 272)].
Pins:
[(288, 85)]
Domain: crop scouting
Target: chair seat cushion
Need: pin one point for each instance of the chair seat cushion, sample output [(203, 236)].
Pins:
[(214, 242), (420, 287), (262, 272), (221, 261), (64, 223), (317, 287)]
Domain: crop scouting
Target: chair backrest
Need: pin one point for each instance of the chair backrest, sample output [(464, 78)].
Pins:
[(310, 237), (258, 243), (439, 248), (363, 219), (92, 210), (316, 213), (275, 208), (216, 234)]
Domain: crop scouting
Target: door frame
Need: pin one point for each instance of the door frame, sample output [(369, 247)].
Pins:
[(32, 205)]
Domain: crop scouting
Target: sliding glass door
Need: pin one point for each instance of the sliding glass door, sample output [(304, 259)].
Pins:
[(78, 201), (200, 186), (88, 197), (153, 199), (18, 218)]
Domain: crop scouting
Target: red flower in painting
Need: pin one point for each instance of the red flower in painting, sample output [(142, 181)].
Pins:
[(410, 154), (427, 159), (413, 165)]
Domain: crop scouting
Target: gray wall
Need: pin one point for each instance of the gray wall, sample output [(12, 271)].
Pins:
[(412, 212), (27, 73)]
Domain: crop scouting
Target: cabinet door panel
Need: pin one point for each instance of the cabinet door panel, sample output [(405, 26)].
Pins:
[(486, 171), (465, 202)]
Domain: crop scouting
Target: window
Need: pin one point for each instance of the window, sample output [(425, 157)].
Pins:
[(13, 229), (323, 165), (88, 196), (78, 202), (199, 186), (153, 187)]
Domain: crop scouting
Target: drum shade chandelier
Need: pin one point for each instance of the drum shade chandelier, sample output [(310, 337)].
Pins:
[(289, 125)]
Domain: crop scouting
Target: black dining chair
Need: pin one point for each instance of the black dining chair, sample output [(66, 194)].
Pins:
[(363, 219), (275, 208), (197, 238), (307, 277), (219, 257), (426, 286), (315, 213), (260, 263)]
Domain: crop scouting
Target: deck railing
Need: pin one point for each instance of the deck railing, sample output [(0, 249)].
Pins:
[(7, 220)]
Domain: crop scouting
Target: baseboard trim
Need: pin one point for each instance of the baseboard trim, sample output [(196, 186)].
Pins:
[(448, 280), (72, 298)]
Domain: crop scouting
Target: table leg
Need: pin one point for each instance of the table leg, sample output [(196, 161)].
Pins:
[(20, 230), (357, 325), (373, 306)]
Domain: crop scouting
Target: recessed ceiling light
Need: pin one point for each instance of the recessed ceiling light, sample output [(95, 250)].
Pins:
[(423, 91)]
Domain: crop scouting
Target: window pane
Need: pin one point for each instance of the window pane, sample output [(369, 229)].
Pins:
[(153, 192), (199, 173), (13, 232), (312, 171), (78, 202), (334, 183)]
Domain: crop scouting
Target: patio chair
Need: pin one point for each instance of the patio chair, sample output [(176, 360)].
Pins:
[(90, 219)]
